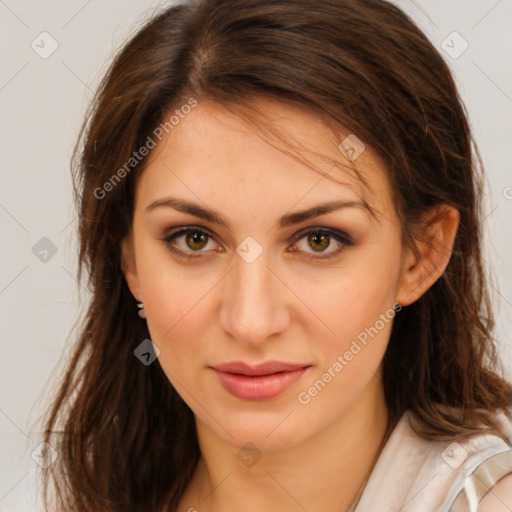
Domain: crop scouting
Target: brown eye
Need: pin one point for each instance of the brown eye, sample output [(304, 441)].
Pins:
[(319, 240), (196, 240), (187, 241)]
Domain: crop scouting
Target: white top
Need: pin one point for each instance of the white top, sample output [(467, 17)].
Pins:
[(416, 475)]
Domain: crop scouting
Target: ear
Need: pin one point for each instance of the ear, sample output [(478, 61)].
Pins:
[(129, 267), (434, 244)]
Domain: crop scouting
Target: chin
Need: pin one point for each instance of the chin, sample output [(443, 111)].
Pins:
[(267, 431)]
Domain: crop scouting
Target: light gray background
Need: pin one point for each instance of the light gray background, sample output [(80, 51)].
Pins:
[(43, 101)]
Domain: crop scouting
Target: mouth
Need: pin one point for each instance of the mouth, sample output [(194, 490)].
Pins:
[(258, 382)]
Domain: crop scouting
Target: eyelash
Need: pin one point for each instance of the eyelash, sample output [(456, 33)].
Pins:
[(339, 236)]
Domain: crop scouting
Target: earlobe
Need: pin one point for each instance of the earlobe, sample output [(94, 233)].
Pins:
[(129, 267), (423, 267)]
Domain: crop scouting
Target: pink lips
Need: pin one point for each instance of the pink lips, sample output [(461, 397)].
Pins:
[(258, 382)]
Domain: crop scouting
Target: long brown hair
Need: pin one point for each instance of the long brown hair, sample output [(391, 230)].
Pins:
[(126, 439)]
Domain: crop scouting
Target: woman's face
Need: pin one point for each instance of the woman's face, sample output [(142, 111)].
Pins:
[(312, 293)]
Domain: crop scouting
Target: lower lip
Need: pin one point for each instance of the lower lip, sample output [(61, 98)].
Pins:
[(259, 387)]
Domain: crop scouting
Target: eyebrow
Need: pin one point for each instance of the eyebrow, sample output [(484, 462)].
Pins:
[(286, 220)]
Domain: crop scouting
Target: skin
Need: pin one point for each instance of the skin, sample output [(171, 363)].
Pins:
[(283, 306), (499, 498)]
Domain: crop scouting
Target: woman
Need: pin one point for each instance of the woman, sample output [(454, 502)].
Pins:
[(287, 192)]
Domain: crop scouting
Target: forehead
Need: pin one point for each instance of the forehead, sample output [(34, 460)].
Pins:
[(287, 155)]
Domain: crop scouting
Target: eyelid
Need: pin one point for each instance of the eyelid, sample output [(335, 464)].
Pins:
[(187, 228), (322, 229)]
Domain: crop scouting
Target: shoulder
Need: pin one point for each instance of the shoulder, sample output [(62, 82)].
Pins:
[(487, 480), (499, 497), (416, 474)]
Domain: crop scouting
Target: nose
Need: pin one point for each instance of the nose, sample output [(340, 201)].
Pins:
[(254, 302)]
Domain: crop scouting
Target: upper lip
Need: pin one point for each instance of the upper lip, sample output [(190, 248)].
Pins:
[(266, 368)]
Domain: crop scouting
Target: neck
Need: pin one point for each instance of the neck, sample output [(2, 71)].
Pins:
[(325, 471)]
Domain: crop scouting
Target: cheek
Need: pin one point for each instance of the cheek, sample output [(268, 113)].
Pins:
[(176, 302), (356, 299), (177, 319), (350, 359)]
